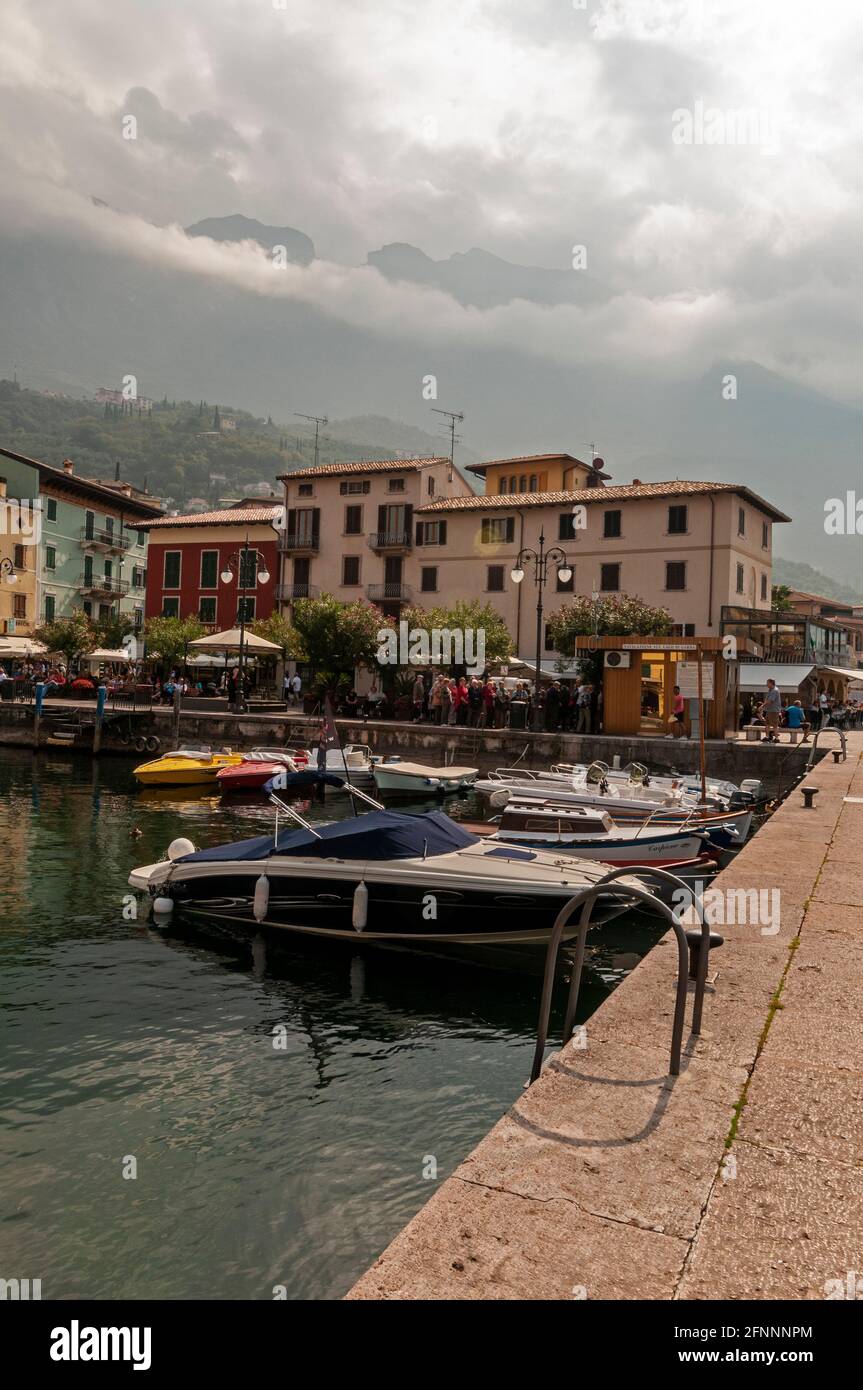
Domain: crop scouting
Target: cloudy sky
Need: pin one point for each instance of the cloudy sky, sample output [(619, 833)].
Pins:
[(524, 128)]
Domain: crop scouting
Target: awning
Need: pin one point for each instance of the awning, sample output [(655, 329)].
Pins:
[(21, 646), (229, 641), (547, 670), (754, 675), (843, 671)]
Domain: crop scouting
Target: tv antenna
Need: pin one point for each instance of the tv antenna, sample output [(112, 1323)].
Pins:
[(454, 417), (318, 420)]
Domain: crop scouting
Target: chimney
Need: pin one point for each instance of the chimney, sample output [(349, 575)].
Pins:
[(68, 466), (636, 482)]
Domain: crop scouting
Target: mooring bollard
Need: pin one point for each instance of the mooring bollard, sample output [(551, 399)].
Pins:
[(809, 795), (837, 754), (694, 939)]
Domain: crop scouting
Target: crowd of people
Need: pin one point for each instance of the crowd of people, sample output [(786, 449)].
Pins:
[(820, 711), (481, 702)]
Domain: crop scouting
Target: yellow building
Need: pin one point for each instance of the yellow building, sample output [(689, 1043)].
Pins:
[(538, 473), (19, 563)]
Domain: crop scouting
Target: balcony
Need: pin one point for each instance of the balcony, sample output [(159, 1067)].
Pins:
[(287, 592), (100, 586), (299, 543), (389, 593), (390, 540), (106, 541)]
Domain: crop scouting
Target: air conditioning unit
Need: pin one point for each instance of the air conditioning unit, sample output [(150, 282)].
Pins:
[(618, 660)]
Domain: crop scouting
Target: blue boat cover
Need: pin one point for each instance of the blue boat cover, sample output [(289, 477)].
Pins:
[(377, 835)]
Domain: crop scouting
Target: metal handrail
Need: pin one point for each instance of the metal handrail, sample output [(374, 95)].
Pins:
[(585, 900), (828, 729)]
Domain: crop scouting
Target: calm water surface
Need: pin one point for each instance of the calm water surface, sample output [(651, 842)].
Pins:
[(255, 1167)]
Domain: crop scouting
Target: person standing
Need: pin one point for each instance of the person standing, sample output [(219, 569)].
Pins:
[(678, 714), (771, 709), (585, 695), (419, 692), (474, 701), (552, 706), (296, 687)]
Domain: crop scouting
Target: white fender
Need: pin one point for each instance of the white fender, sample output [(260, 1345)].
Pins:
[(360, 913), (261, 902), (163, 907)]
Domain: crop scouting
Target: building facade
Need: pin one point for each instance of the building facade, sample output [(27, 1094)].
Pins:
[(189, 553), (349, 528), (92, 548)]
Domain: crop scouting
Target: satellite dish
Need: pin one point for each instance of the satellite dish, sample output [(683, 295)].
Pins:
[(599, 465)]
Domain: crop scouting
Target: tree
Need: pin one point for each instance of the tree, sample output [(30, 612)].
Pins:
[(109, 632), (611, 615), (336, 637), (482, 628), (780, 598), (68, 637), (279, 629), (168, 638)]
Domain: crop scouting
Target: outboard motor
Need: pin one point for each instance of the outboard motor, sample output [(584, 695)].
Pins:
[(750, 791)]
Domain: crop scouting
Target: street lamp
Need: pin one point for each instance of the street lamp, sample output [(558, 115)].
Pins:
[(239, 565), (540, 560)]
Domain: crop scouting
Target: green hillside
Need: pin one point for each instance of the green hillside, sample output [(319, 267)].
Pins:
[(174, 448), (798, 575)]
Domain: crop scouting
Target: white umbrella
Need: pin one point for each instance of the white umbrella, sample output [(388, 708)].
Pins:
[(229, 641)]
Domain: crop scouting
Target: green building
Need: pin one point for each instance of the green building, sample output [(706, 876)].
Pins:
[(91, 553)]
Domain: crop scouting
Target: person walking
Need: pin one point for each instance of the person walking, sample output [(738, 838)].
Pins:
[(678, 715), (585, 695), (771, 709)]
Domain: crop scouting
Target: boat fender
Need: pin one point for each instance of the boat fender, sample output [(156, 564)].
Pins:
[(360, 914), (163, 907), (261, 901), (180, 847)]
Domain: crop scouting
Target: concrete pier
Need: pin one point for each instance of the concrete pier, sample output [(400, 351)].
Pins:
[(741, 1178)]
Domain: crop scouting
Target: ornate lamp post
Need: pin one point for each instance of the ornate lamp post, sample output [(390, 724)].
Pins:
[(239, 565), (540, 560)]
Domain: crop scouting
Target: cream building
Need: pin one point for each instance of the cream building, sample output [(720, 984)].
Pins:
[(412, 532)]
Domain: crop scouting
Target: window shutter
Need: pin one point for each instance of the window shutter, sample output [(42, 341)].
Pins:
[(419, 533), (441, 535), (382, 520), (343, 487), (483, 535), (510, 528), (316, 521), (292, 523), (367, 486)]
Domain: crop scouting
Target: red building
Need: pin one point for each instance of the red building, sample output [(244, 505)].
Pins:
[(188, 554)]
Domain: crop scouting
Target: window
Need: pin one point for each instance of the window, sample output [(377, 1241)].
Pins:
[(430, 486), (19, 557), (496, 530), (354, 485), (513, 483), (171, 571), (139, 619), (50, 557), (494, 583), (431, 533), (675, 574), (741, 521), (209, 569), (678, 520), (683, 630), (88, 609), (566, 586), (50, 607), (109, 525), (765, 535), (353, 521), (207, 610), (305, 489), (763, 587), (246, 610), (108, 569), (609, 578), (350, 569), (89, 525), (534, 482), (740, 579), (51, 513), (566, 530), (547, 639), (104, 611), (522, 483), (142, 537), (19, 606), (611, 525), (397, 485), (501, 485), (170, 607), (428, 579)]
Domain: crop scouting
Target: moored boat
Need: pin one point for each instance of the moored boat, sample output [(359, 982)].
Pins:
[(592, 834), (418, 779), (185, 767), (257, 768)]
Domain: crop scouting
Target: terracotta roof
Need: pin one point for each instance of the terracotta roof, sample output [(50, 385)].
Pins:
[(600, 495), (362, 466), (534, 459), (226, 516)]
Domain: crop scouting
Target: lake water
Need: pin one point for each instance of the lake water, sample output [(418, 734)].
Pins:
[(125, 1049)]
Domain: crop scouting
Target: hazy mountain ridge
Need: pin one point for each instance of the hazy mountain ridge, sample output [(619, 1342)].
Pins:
[(298, 247), (798, 575)]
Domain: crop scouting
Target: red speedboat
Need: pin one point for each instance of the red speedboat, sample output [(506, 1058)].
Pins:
[(258, 766)]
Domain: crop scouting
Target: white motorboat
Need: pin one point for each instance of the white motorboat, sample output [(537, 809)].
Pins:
[(592, 834), (748, 793), (417, 779), (384, 876), (633, 808), (354, 762)]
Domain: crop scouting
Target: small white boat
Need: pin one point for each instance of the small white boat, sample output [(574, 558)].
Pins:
[(416, 779), (592, 834), (354, 762)]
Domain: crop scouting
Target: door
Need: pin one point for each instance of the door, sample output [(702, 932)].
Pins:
[(393, 565), (302, 571)]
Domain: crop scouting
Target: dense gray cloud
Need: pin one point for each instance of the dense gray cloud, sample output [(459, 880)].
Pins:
[(524, 129)]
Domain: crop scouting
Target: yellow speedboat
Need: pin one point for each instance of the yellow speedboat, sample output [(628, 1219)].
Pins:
[(185, 767)]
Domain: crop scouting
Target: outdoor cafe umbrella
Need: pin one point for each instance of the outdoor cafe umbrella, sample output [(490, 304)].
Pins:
[(232, 639)]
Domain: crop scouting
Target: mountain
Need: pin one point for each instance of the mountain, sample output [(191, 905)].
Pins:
[(481, 280), (298, 247), (798, 575)]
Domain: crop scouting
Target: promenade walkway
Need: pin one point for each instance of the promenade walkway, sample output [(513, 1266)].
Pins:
[(741, 1178)]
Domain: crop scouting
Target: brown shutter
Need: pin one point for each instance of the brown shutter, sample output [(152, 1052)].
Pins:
[(441, 535), (382, 520), (292, 522), (419, 533), (510, 528), (409, 518), (316, 521)]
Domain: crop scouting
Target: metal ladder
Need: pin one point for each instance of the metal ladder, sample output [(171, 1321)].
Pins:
[(829, 729), (585, 900)]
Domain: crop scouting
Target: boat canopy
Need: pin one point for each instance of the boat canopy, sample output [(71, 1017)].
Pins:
[(377, 835)]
